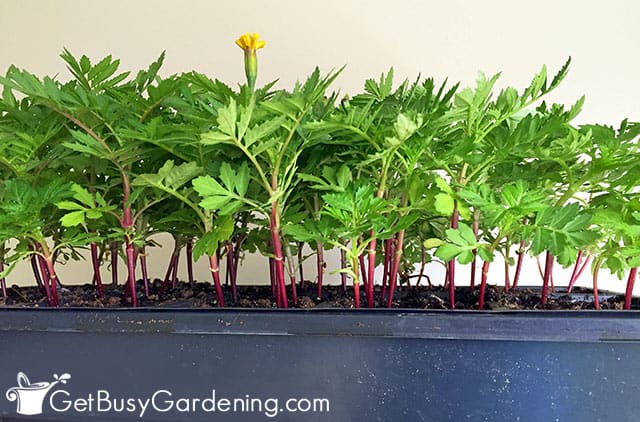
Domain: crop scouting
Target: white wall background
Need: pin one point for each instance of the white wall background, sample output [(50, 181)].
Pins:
[(452, 39)]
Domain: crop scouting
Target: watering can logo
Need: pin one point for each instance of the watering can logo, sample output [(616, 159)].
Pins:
[(30, 396)]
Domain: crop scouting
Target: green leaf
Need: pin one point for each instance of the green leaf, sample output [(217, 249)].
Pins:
[(344, 177), (208, 186), (405, 127), (73, 219), (214, 202), (209, 242), (69, 206), (467, 234), (263, 130), (216, 137), (485, 254), (433, 243), (227, 117), (444, 204), (443, 185), (448, 251), (242, 179), (227, 175)]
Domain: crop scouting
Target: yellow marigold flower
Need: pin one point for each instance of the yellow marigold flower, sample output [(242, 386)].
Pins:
[(250, 42)]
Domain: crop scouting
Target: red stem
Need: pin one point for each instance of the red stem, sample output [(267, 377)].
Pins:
[(596, 270), (96, 269), (369, 280), (275, 292), (363, 271), (476, 228), (576, 267), (320, 267), (343, 276), (53, 280), (143, 267), (507, 281), (451, 265), (548, 269), (167, 275), (483, 284), (520, 253), (292, 276), (3, 282), (356, 284), (174, 273), (388, 251), (393, 281), (276, 243), (230, 267), (190, 261), (131, 269), (585, 264), (114, 263), (46, 280), (215, 274), (423, 264), (300, 269), (36, 272), (629, 292)]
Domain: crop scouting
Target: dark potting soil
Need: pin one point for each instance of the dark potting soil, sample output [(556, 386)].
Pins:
[(202, 295)]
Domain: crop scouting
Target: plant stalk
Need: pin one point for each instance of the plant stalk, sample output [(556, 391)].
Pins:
[(393, 280), (548, 269), (575, 278), (131, 269), (300, 259), (230, 268), (520, 253), (96, 269), (483, 284), (142, 256), (320, 267), (630, 283), (596, 270), (276, 243), (451, 265), (343, 264), (292, 272), (215, 274), (190, 261)]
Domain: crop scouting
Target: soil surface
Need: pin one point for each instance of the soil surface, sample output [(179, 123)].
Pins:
[(202, 295)]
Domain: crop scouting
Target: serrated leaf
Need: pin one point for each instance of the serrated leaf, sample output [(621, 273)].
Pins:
[(262, 131), (245, 118), (208, 186), (343, 176), (228, 176), (227, 117), (443, 185), (214, 202), (73, 219), (216, 137), (69, 206), (444, 204)]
